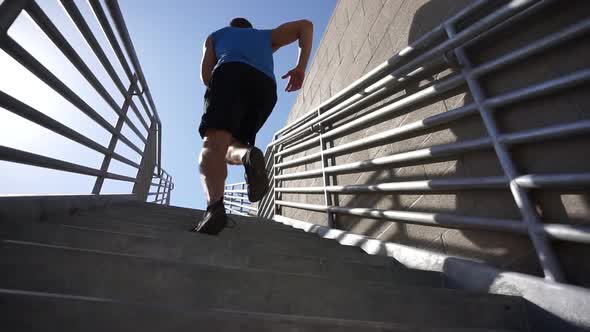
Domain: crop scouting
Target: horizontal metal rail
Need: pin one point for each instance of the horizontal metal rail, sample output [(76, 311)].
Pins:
[(27, 158), (232, 211), (243, 206), (574, 233), (424, 185), (569, 181), (15, 106), (235, 184), (237, 191), (396, 160), (572, 180), (239, 198)]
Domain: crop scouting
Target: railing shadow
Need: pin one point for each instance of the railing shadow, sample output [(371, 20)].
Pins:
[(428, 17)]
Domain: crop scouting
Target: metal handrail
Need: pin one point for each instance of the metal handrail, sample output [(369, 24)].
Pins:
[(149, 119), (115, 11), (434, 53)]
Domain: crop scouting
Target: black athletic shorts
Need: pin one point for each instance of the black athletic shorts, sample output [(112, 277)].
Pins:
[(239, 99)]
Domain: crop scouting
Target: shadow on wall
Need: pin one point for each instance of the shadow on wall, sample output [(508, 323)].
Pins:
[(501, 249), (426, 18)]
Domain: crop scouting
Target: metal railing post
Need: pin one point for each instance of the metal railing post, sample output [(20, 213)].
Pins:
[(325, 176), (147, 165), (236, 187), (168, 186), (547, 258), (242, 201), (159, 188), (276, 195), (264, 206), (115, 11), (114, 137), (242, 187)]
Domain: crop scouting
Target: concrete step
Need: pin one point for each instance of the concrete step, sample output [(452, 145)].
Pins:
[(159, 207), (309, 246), (187, 221), (136, 279), (187, 250), (27, 311), (164, 210), (156, 208), (238, 229), (159, 224)]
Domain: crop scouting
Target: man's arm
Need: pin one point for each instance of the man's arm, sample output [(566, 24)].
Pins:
[(209, 61), (288, 33)]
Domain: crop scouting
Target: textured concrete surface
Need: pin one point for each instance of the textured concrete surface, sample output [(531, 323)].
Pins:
[(362, 35), (80, 314)]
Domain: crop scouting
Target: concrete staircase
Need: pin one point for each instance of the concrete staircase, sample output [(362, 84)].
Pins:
[(137, 268)]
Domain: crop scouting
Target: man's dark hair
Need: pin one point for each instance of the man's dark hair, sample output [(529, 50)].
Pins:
[(240, 22)]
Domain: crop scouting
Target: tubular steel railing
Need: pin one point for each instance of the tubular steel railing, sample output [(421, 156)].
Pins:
[(440, 50), (150, 165), (236, 201), (163, 188)]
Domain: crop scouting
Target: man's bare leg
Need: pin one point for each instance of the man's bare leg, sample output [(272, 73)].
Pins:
[(254, 166), (236, 152), (212, 163)]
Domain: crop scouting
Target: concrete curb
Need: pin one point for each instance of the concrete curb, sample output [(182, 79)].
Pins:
[(552, 306)]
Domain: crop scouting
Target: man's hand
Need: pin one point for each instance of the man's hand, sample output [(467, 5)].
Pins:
[(296, 77), (287, 33)]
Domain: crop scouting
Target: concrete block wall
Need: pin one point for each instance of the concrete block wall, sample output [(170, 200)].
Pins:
[(362, 35)]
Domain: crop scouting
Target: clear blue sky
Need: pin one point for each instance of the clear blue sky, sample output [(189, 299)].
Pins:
[(168, 37)]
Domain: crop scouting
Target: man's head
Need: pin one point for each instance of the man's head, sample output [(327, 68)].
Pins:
[(240, 22)]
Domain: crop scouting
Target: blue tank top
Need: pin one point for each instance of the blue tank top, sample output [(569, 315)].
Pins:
[(250, 46)]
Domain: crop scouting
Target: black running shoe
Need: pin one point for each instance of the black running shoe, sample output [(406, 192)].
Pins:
[(255, 174), (214, 219)]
